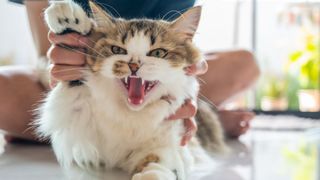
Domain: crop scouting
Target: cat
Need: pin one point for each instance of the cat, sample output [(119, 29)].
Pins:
[(115, 116)]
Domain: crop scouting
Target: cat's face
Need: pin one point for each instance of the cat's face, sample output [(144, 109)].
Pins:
[(145, 57)]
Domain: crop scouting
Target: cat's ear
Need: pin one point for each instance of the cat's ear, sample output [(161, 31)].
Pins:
[(187, 23), (100, 16)]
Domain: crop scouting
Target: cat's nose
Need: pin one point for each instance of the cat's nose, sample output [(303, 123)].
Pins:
[(134, 67)]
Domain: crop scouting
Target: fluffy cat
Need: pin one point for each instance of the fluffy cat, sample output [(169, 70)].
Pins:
[(114, 117)]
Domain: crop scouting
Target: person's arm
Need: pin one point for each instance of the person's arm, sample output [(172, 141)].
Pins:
[(60, 58), (39, 33), (38, 28)]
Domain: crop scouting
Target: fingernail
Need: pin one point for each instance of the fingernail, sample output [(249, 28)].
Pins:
[(171, 117), (202, 66), (82, 40), (183, 143), (187, 70)]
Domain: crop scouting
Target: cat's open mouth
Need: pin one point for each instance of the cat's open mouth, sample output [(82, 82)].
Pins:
[(137, 88)]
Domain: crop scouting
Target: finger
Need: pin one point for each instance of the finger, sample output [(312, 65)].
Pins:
[(197, 69), (186, 111), (191, 128), (66, 73), (70, 39), (59, 55), (185, 140), (239, 132), (190, 125), (242, 128), (53, 83)]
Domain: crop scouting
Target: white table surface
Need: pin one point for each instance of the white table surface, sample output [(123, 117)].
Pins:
[(257, 156)]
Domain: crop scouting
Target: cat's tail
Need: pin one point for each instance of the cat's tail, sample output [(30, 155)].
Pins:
[(210, 132)]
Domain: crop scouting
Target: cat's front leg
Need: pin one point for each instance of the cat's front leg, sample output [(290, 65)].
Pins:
[(161, 164), (64, 16), (155, 171)]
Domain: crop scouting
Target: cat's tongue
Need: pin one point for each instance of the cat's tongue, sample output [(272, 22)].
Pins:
[(135, 90)]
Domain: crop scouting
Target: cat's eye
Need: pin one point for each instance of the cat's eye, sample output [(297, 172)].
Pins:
[(158, 53), (118, 50)]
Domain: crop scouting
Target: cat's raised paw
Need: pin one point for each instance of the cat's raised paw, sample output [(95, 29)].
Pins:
[(64, 16)]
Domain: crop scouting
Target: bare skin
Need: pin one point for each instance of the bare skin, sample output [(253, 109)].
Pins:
[(231, 73), (22, 91)]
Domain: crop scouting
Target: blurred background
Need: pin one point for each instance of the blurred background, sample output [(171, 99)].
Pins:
[(284, 35)]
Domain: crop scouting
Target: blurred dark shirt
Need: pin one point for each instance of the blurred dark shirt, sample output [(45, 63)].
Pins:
[(154, 9)]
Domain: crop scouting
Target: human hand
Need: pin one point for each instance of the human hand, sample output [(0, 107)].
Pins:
[(235, 122), (67, 56), (189, 108), (186, 112)]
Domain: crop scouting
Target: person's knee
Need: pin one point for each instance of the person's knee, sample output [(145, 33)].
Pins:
[(5, 92), (245, 54), (249, 63), (15, 92), (4, 87), (3, 81), (247, 70), (6, 100)]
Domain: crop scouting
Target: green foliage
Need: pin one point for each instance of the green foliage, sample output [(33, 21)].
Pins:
[(308, 59), (274, 87), (278, 87), (6, 60), (292, 95), (303, 159)]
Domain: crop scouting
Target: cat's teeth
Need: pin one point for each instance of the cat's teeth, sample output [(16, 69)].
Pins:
[(143, 81), (126, 80)]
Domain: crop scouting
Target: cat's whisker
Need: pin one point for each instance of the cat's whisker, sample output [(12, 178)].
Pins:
[(121, 24), (105, 4), (114, 9), (200, 95), (71, 69), (75, 50), (88, 46), (202, 80), (172, 11), (91, 48), (81, 52), (31, 128)]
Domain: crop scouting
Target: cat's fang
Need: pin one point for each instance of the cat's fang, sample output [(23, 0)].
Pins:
[(126, 80)]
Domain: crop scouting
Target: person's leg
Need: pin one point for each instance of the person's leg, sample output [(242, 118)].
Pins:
[(229, 74), (20, 92)]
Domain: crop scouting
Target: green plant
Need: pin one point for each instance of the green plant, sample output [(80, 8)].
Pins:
[(6, 60), (308, 61), (274, 87), (303, 160)]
